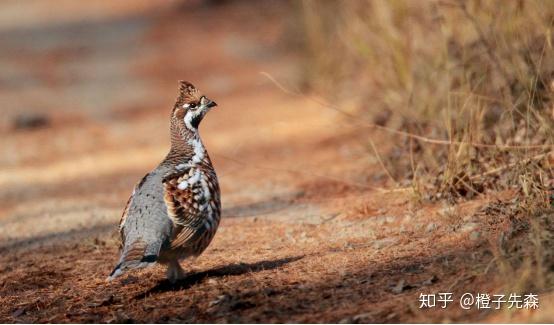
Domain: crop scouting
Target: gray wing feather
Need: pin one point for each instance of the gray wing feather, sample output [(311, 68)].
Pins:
[(145, 227)]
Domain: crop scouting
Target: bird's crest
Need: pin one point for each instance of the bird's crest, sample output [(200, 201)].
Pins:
[(187, 93)]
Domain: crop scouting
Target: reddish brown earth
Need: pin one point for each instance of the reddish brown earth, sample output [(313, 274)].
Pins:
[(311, 231)]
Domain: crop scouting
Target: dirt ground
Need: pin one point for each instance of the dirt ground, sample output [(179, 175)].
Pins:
[(311, 231)]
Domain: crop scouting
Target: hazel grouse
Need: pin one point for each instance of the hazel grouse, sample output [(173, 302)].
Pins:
[(174, 210)]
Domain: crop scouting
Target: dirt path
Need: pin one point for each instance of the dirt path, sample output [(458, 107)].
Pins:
[(309, 232)]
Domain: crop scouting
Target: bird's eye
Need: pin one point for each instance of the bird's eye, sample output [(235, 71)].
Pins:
[(192, 105)]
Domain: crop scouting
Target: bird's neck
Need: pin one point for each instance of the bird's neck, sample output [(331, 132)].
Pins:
[(187, 149)]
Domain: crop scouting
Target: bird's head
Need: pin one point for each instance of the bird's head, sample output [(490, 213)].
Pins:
[(191, 106)]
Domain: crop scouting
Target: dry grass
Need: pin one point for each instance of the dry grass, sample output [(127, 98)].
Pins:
[(466, 89), (443, 70)]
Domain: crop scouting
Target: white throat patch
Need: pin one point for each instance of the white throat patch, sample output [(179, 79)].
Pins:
[(199, 151), (189, 116), (198, 156)]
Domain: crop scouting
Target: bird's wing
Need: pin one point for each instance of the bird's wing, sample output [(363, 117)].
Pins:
[(185, 207), (126, 210), (122, 221)]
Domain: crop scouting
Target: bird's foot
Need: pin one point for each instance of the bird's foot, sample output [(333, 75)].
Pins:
[(175, 272)]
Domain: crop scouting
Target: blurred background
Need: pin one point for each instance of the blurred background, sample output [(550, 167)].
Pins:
[(87, 89), (379, 143)]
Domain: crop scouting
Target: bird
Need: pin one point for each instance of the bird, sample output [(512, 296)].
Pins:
[(174, 211)]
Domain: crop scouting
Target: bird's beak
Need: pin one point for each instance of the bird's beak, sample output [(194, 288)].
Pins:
[(211, 104)]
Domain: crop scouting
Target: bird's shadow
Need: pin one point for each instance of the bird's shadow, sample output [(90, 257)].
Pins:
[(231, 269)]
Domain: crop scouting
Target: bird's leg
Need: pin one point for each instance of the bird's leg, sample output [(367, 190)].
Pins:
[(174, 271)]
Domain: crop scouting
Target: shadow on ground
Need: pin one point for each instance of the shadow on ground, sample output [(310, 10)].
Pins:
[(232, 269), (74, 235)]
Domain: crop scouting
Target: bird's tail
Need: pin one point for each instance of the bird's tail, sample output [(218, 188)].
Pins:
[(134, 256)]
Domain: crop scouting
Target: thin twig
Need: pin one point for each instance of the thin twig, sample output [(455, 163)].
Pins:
[(468, 186), (510, 165), (381, 162), (402, 133)]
